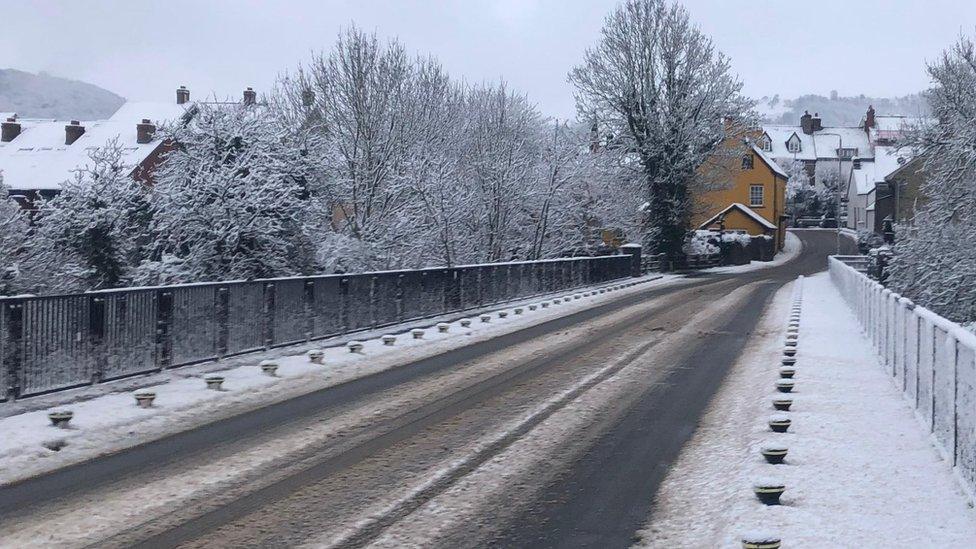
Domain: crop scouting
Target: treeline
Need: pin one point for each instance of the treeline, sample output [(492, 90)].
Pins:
[(364, 158)]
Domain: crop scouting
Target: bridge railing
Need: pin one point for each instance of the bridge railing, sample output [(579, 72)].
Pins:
[(51, 343), (931, 359)]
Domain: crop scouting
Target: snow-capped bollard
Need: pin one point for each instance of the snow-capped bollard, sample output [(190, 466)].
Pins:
[(60, 418), (316, 356), (417, 333), (774, 453), (782, 404), (577, 296), (144, 399), (269, 367), (465, 322), (780, 424), (760, 541), (390, 340), (443, 327), (790, 343), (354, 347), (533, 307), (502, 314), (518, 310), (793, 329), (556, 301), (792, 336), (788, 360), (784, 385), (787, 372), (544, 304), (214, 382), (769, 491), (601, 291), (485, 318), (789, 351)]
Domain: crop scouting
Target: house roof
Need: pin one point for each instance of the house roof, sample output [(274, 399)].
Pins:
[(768, 160), (38, 159), (749, 212), (779, 135), (822, 144), (887, 161)]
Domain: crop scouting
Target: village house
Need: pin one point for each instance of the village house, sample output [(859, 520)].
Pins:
[(37, 156), (752, 201)]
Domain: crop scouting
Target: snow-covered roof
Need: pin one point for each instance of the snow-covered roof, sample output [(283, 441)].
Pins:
[(822, 144), (887, 160), (38, 159), (744, 209), (768, 160), (779, 135)]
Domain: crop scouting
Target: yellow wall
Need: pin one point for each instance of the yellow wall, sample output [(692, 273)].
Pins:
[(709, 203)]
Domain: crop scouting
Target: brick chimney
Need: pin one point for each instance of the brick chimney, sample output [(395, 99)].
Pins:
[(145, 131), (250, 96), (9, 130), (806, 123), (182, 95), (817, 123), (73, 131), (869, 121)]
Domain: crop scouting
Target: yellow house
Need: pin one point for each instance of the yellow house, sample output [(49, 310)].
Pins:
[(754, 202)]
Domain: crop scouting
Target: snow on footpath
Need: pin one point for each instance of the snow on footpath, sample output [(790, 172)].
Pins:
[(860, 471), (112, 421)]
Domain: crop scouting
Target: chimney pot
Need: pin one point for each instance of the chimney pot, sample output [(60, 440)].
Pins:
[(806, 123), (9, 130), (73, 131), (250, 97), (182, 95), (145, 131)]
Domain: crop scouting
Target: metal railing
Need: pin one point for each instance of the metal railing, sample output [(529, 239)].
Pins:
[(51, 343), (931, 359)]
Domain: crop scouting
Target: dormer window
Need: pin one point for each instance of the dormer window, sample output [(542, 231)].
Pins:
[(793, 144), (765, 143), (847, 153), (747, 162)]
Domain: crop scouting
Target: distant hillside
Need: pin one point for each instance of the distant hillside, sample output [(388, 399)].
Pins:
[(44, 96), (836, 110)]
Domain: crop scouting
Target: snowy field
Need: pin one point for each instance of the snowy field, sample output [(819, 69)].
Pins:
[(860, 470), (111, 420)]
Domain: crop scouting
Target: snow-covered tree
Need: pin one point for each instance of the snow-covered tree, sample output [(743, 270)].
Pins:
[(229, 201), (14, 246), (935, 257), (91, 234), (657, 84)]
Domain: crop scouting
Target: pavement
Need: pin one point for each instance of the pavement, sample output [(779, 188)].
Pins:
[(558, 435)]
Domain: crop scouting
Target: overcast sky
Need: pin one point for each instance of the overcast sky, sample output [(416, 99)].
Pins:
[(144, 49)]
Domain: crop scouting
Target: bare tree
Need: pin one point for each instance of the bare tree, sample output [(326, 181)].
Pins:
[(659, 87)]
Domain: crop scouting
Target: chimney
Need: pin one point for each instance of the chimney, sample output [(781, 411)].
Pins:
[(73, 131), (182, 95), (145, 131), (817, 123), (869, 121), (806, 123), (250, 97), (9, 130)]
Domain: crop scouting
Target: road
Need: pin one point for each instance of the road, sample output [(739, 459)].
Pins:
[(553, 436)]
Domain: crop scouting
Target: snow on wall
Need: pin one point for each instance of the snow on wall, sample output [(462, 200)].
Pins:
[(932, 360)]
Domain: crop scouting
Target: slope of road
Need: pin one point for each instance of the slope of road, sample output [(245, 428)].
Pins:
[(341, 466)]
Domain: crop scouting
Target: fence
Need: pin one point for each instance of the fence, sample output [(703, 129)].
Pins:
[(930, 358), (51, 343)]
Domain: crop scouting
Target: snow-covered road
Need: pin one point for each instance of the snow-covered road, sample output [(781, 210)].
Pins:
[(860, 469)]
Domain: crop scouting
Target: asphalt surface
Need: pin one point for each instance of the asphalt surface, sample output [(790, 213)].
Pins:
[(596, 493)]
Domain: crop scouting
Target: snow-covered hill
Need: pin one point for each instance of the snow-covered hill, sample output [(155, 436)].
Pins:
[(837, 110), (45, 96)]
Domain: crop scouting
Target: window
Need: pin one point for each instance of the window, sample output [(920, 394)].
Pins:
[(793, 145), (756, 195), (765, 143), (747, 162), (847, 153)]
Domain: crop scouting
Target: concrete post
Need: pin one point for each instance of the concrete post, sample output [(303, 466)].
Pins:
[(634, 251)]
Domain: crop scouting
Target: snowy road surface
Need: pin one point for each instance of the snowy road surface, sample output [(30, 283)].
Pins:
[(554, 436)]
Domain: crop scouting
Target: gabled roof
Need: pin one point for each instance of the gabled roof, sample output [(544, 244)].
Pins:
[(764, 156), (744, 209), (38, 159)]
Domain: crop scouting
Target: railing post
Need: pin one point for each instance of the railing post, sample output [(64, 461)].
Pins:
[(13, 311), (222, 316), (634, 251), (164, 331), (269, 315), (308, 300), (96, 334)]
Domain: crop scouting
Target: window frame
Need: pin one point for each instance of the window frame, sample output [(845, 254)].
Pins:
[(748, 162), (762, 196), (794, 145)]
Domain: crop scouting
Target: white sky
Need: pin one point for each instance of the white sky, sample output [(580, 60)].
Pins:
[(144, 49)]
